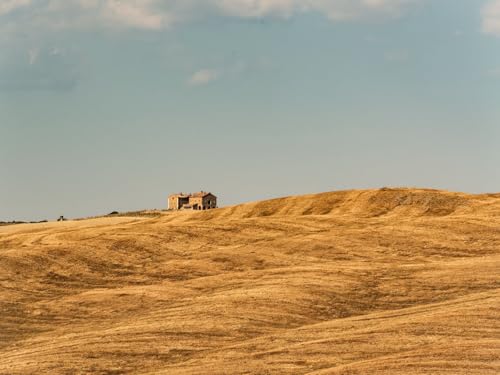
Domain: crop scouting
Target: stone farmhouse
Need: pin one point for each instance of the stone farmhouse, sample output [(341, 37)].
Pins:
[(196, 201)]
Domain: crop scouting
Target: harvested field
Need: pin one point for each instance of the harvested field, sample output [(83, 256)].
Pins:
[(389, 281)]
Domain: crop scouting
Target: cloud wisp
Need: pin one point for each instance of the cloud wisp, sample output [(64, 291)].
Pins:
[(335, 10), (38, 69), (161, 14), (491, 17), (203, 77), (8, 6)]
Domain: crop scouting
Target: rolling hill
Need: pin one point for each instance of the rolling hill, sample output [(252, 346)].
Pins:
[(388, 281)]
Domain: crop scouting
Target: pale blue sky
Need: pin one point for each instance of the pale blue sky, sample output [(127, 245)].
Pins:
[(109, 105)]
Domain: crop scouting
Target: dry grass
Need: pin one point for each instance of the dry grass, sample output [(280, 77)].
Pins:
[(391, 281)]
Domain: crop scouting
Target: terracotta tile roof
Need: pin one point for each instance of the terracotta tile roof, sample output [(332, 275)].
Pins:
[(180, 195), (200, 194)]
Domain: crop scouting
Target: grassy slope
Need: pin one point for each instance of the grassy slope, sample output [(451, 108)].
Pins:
[(384, 281)]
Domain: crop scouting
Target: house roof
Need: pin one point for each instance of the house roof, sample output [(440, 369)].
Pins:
[(201, 194), (180, 195)]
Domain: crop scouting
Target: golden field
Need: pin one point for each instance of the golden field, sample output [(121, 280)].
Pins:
[(389, 281)]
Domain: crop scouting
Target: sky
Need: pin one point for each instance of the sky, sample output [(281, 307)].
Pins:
[(111, 105)]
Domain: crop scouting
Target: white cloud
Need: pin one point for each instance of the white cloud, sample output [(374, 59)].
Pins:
[(7, 6), (491, 17), (257, 8), (203, 77), (139, 14), (90, 14), (333, 9), (160, 14)]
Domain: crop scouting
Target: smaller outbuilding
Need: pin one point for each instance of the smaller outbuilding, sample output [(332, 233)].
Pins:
[(195, 201)]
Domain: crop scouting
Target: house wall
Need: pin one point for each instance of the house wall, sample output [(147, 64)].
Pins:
[(196, 201), (205, 203), (210, 201), (175, 202), (172, 203), (183, 201)]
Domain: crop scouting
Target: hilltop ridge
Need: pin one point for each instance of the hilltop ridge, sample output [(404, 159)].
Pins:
[(364, 203)]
